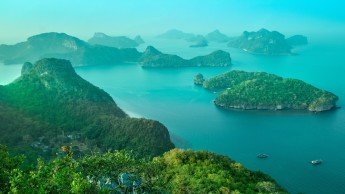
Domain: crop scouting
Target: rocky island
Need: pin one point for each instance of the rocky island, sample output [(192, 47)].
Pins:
[(262, 42), (199, 41), (154, 58), (177, 34), (263, 91), (115, 41), (297, 40), (217, 36)]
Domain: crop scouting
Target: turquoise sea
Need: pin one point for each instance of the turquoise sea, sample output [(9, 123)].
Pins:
[(291, 138)]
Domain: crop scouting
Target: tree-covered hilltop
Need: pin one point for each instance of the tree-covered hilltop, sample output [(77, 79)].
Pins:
[(177, 171), (154, 58), (114, 41), (259, 90), (50, 105), (265, 42)]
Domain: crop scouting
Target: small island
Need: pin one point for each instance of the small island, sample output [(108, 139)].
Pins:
[(199, 41), (266, 42), (262, 42), (297, 40), (115, 41), (154, 58), (264, 91), (217, 36)]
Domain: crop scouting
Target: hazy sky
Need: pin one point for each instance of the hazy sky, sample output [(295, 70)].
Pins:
[(22, 18)]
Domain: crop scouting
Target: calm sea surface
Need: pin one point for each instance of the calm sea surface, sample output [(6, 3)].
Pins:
[(291, 139)]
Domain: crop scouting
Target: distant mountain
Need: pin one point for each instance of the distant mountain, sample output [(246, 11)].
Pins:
[(297, 40), (114, 41), (199, 41), (262, 42), (176, 34), (217, 36), (154, 58), (50, 106), (61, 45), (139, 40), (263, 91)]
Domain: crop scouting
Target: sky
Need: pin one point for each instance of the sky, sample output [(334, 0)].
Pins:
[(20, 19)]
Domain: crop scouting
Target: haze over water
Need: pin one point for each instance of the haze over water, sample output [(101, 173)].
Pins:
[(291, 139)]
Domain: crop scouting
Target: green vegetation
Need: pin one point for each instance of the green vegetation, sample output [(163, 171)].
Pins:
[(259, 90), (262, 42), (177, 171), (50, 105), (153, 58)]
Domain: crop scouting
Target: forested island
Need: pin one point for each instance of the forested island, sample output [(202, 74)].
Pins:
[(264, 91), (115, 41), (267, 42), (81, 53), (84, 143), (154, 58)]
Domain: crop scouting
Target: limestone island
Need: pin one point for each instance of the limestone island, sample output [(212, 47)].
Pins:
[(217, 36), (264, 91), (154, 58), (297, 40), (199, 41), (115, 41), (266, 42)]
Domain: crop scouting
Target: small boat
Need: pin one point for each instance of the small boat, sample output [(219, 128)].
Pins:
[(262, 156), (316, 162)]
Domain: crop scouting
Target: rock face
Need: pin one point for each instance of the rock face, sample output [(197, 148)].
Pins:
[(51, 99), (262, 42), (154, 58), (61, 45), (217, 36), (297, 40), (114, 41), (198, 79), (263, 91)]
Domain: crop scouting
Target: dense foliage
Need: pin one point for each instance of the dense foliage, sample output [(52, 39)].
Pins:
[(177, 171), (262, 42), (259, 90), (51, 105), (153, 58)]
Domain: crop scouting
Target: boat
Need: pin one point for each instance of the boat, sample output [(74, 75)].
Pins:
[(316, 162), (262, 156)]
